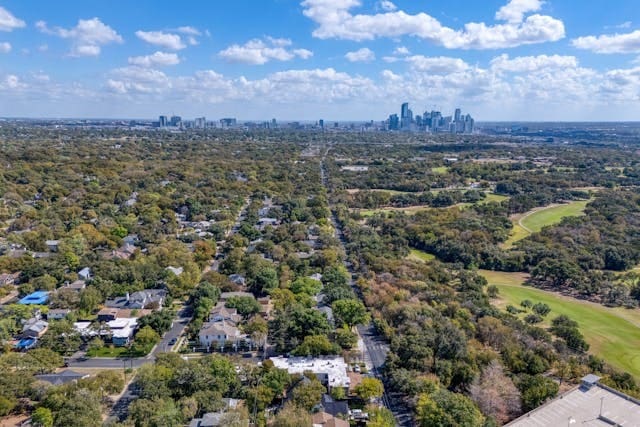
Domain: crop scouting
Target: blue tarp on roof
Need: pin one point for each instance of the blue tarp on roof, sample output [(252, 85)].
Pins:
[(36, 298), (26, 343)]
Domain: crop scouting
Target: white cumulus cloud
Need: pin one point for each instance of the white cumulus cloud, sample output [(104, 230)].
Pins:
[(437, 64), (521, 64), (162, 39), (515, 10), (387, 5), (335, 20), (259, 51), (155, 59), (361, 55), (8, 22), (5, 47), (616, 43), (87, 36)]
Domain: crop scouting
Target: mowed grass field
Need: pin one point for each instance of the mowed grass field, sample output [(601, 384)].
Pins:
[(612, 333), (412, 210), (536, 219), (418, 255)]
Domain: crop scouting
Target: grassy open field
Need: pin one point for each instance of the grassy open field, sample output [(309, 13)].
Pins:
[(612, 333), (440, 170), (418, 255), (412, 210), (536, 219), (494, 198)]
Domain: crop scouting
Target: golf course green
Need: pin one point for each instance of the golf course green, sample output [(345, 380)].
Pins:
[(536, 219), (612, 333)]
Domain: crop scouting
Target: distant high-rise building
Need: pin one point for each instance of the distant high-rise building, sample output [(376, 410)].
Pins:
[(175, 121), (394, 122), (404, 110), (469, 124), (228, 122), (321, 124), (163, 121), (274, 124), (406, 116), (200, 123), (456, 116)]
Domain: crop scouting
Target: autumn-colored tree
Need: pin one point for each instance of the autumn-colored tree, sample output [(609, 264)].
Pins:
[(495, 394)]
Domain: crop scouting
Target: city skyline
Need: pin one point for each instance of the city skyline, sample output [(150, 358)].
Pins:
[(348, 60)]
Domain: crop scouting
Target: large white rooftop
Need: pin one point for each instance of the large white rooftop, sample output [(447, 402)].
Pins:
[(333, 369), (582, 407)]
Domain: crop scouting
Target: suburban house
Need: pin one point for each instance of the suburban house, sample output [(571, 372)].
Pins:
[(64, 377), (221, 334), (58, 313), (107, 314), (84, 330), (323, 419), (36, 298), (220, 313), (53, 245), (77, 285), (131, 239), (84, 274), (149, 298), (265, 307), (175, 270), (336, 408), (125, 251), (331, 371), (34, 328), (122, 330), (8, 279), (216, 419), (238, 279)]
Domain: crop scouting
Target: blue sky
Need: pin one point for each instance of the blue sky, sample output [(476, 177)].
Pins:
[(311, 59)]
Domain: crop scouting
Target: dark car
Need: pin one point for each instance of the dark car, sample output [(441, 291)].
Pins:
[(172, 341)]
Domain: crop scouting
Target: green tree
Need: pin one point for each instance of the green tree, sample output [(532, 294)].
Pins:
[(265, 281), (308, 394), (90, 299), (379, 416), (292, 416), (536, 390), (6, 405), (369, 388), (351, 312), (446, 409), (245, 305), (306, 285), (345, 338), (316, 345), (42, 417)]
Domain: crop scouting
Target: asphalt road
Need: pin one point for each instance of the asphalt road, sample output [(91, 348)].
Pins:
[(376, 347)]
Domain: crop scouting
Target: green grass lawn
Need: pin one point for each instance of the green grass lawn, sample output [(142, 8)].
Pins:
[(612, 333), (418, 255), (535, 220), (493, 198), (440, 170), (110, 351)]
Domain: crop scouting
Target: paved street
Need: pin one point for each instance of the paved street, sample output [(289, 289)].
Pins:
[(375, 346)]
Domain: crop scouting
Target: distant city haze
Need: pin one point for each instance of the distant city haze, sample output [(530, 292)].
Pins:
[(340, 60)]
